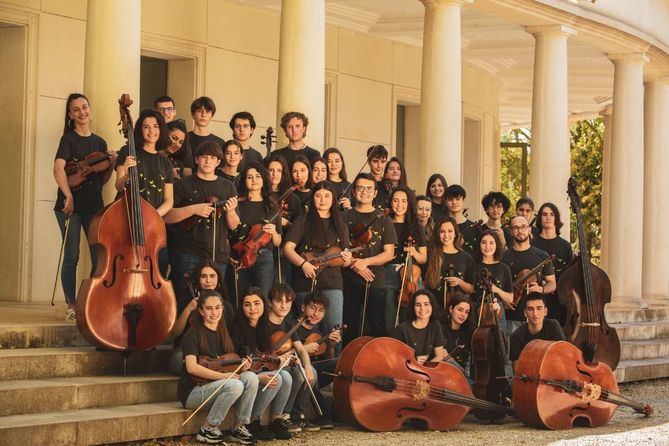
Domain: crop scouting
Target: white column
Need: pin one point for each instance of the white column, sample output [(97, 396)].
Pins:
[(302, 66), (441, 92), (112, 66), (549, 158), (627, 165), (606, 187), (655, 284)]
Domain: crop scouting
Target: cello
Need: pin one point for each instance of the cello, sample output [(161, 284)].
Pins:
[(127, 304), (554, 387), (584, 290), (379, 385)]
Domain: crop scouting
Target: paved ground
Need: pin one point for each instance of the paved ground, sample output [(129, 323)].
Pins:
[(626, 428)]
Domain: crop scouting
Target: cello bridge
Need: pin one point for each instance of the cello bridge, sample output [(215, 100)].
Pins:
[(421, 391), (591, 392), (135, 270), (589, 324)]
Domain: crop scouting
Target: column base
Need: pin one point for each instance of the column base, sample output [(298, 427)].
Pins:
[(656, 300), (627, 302)]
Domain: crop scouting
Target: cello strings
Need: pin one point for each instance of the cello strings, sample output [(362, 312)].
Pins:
[(447, 395)]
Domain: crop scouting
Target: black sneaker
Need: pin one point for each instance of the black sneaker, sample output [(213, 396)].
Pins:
[(261, 432), (324, 422), (292, 425), (280, 429), (240, 435), (211, 435), (306, 425)]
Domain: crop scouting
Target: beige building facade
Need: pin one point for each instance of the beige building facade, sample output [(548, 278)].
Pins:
[(435, 81)]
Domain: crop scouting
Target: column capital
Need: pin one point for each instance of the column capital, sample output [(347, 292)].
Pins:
[(460, 3), (561, 30), (608, 110), (640, 58), (658, 78)]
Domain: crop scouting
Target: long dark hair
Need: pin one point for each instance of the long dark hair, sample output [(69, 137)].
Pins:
[(432, 179), (69, 122), (267, 198), (410, 217), (179, 124), (434, 251), (403, 172), (254, 339), (286, 178), (497, 255), (316, 233), (163, 140), (469, 324), (556, 212), (197, 272), (342, 173), (436, 310), (304, 160), (198, 324)]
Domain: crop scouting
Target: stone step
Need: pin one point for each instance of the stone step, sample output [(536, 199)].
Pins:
[(636, 331), (642, 369), (21, 397), (615, 315), (40, 335), (99, 425), (37, 363), (646, 349)]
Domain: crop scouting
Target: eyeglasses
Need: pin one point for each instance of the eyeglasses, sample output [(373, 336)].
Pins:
[(365, 188), (316, 309), (165, 109), (520, 228)]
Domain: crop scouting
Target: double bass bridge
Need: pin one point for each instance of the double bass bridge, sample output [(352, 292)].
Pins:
[(421, 391)]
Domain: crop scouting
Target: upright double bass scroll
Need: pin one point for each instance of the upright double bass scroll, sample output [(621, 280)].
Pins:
[(584, 289), (127, 304)]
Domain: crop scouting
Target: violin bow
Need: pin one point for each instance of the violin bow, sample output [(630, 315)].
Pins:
[(306, 383), (60, 260), (284, 363), (399, 298), (369, 157), (364, 309), (450, 355)]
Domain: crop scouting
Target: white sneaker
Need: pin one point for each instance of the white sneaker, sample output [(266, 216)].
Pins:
[(70, 315)]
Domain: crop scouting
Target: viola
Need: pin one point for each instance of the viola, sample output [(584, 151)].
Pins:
[(489, 354), (331, 257), (281, 341), (379, 385), (361, 234), (247, 250), (127, 304), (78, 171), (323, 340), (410, 274), (523, 280), (555, 387), (584, 289)]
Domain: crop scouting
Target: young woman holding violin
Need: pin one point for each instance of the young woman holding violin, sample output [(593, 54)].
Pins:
[(179, 152), (76, 206), (489, 257), (337, 176), (410, 242), (255, 210), (320, 230), (250, 330), (436, 187), (197, 223), (450, 270), (422, 331), (300, 171), (208, 336), (458, 326)]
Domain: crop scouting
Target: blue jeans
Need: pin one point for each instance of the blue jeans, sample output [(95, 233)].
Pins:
[(68, 272), (242, 390), (260, 274), (185, 262), (298, 387), (278, 396)]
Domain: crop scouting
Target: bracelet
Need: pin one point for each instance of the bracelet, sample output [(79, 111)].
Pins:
[(303, 262)]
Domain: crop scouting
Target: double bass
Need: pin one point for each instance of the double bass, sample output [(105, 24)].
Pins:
[(554, 387), (127, 304), (584, 290)]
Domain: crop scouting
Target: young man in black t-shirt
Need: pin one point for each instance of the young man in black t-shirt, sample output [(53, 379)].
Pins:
[(243, 125), (193, 242), (367, 268), (295, 125), (523, 256), (202, 110), (377, 157), (455, 205), (536, 327)]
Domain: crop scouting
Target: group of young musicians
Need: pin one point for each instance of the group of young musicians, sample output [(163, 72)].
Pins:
[(287, 244)]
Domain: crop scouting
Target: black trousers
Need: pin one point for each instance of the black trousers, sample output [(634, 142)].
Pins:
[(354, 299)]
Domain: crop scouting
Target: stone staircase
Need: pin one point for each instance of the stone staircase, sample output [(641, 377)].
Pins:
[(644, 342), (56, 390)]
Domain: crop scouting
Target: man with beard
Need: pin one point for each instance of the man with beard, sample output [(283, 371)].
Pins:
[(523, 256)]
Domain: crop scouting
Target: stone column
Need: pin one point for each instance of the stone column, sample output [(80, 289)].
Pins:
[(112, 66), (302, 67), (549, 159), (606, 187), (441, 92), (655, 284), (626, 186)]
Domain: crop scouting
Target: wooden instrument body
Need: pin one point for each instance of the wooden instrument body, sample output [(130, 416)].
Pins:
[(543, 405), (282, 348), (410, 283), (78, 171), (488, 363), (247, 249), (123, 278), (379, 410)]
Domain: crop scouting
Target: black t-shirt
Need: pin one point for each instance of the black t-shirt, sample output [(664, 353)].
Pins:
[(190, 343), (329, 278), (231, 178), (303, 196), (198, 239), (422, 340), (285, 326), (558, 246), (518, 261), (383, 233), (455, 338), (195, 140), (340, 187), (463, 264), (501, 277), (303, 332), (402, 232), (470, 233), (180, 161), (292, 206), (382, 199), (74, 147), (551, 331), (289, 154), (251, 213), (249, 155), (439, 210), (154, 172)]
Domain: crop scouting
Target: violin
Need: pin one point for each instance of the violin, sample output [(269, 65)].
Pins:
[(410, 274), (489, 354), (555, 387), (281, 341), (228, 363), (523, 280), (361, 234), (218, 205), (449, 291), (127, 304), (247, 250), (379, 385), (323, 340), (584, 289), (331, 257), (78, 171)]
